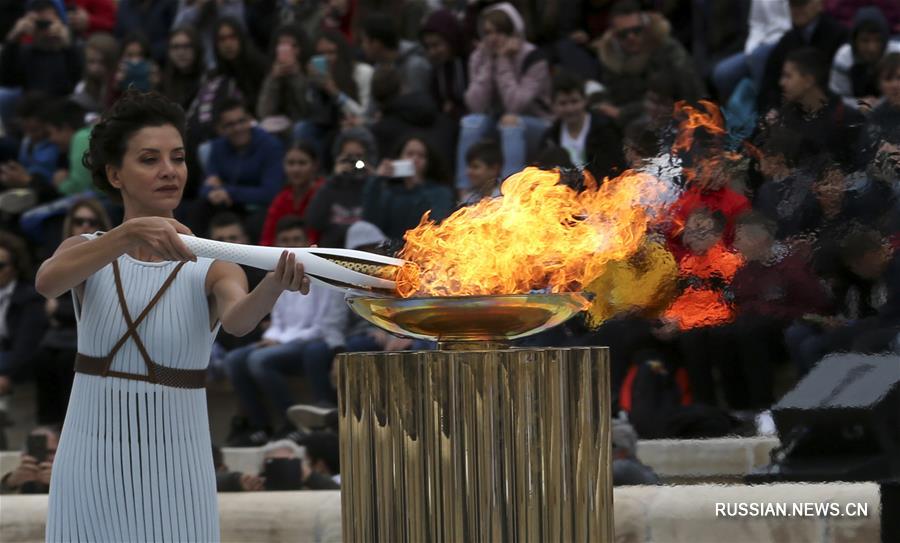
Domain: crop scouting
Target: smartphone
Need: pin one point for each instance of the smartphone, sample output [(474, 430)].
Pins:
[(36, 447), (42, 24), (320, 63), (137, 74), (282, 474), (403, 168)]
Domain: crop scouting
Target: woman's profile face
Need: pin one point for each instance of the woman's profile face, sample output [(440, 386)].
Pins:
[(84, 221), (153, 171)]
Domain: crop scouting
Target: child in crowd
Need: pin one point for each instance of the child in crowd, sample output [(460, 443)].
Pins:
[(483, 163)]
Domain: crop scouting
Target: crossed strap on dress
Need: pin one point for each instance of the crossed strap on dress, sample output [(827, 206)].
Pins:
[(156, 373)]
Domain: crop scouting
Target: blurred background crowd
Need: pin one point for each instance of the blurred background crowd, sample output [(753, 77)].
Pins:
[(341, 122)]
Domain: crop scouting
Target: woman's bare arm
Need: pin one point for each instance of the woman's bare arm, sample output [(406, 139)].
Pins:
[(78, 258), (239, 311)]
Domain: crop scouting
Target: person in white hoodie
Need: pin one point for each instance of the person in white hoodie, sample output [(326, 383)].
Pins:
[(303, 337)]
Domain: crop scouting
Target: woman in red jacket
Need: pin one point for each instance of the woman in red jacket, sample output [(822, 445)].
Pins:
[(302, 180)]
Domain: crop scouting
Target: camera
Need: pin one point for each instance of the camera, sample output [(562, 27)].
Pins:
[(43, 24), (283, 474)]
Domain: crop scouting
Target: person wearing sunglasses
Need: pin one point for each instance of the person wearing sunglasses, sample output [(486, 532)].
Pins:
[(637, 45), (55, 359)]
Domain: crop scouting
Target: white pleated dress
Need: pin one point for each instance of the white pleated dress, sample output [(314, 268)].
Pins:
[(134, 461)]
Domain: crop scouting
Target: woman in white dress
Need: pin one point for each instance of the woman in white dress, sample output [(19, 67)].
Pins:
[(134, 462)]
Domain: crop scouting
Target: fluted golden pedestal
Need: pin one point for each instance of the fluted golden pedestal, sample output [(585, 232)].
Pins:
[(476, 445)]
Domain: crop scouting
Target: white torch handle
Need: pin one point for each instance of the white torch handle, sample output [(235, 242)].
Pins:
[(266, 258)]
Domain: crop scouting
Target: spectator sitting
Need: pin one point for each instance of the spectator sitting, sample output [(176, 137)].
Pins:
[(283, 92), (509, 91), (153, 18), (87, 17), (339, 203), (709, 190), (22, 318), (381, 44), (636, 46), (32, 475), (238, 60), (50, 62), (36, 161), (136, 67), (399, 113), (769, 20), (442, 36), (184, 67), (64, 121), (810, 28), (854, 68), (772, 289), (483, 163), (54, 361), (338, 95), (202, 17), (817, 118), (323, 457), (876, 262), (396, 201), (590, 139), (244, 170), (302, 339), (101, 55), (302, 181), (626, 468), (705, 270), (884, 122)]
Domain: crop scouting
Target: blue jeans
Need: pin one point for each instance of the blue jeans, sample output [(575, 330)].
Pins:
[(729, 71), (257, 372), (517, 142)]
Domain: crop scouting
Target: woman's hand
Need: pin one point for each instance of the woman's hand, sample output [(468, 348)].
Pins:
[(159, 236), (288, 274)]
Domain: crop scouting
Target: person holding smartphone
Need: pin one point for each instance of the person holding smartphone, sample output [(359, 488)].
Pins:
[(283, 93), (406, 188), (32, 475)]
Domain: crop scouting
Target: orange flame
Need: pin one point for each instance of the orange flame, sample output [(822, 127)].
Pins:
[(703, 305), (541, 235), (710, 119)]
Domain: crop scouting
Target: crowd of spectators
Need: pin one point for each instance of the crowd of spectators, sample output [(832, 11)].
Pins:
[(341, 123)]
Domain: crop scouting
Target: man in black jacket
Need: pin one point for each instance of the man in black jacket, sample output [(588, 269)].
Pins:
[(591, 140), (811, 28), (22, 317)]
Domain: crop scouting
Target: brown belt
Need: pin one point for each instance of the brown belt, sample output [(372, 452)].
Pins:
[(163, 375)]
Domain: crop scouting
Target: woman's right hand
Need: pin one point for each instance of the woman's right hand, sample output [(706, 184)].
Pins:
[(159, 235)]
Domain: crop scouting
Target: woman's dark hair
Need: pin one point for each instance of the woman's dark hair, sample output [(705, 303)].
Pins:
[(138, 38), (342, 72), (434, 170), (248, 70), (18, 253), (109, 137), (182, 86), (304, 146), (296, 32)]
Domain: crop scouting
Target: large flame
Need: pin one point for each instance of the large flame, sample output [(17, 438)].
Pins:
[(541, 235)]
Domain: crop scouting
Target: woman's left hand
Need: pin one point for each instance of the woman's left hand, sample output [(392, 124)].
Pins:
[(289, 274)]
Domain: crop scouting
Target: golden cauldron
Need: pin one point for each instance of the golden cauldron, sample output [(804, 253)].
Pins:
[(475, 441)]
